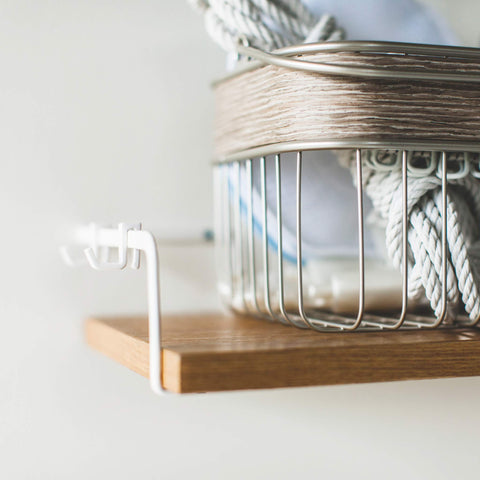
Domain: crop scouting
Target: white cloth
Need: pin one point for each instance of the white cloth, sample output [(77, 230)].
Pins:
[(387, 20)]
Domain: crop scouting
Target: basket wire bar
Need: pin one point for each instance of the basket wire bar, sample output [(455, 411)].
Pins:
[(248, 254), (281, 285), (228, 225), (266, 268), (239, 237), (251, 239), (403, 314)]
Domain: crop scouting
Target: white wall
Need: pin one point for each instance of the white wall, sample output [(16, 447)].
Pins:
[(105, 114)]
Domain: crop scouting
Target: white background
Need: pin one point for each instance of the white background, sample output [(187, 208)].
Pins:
[(105, 114)]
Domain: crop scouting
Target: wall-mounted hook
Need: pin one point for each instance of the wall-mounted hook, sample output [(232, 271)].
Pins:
[(92, 252)]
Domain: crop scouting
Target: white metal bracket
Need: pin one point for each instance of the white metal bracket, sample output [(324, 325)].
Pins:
[(124, 238)]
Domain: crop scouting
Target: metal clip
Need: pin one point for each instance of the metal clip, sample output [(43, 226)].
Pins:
[(461, 172), (474, 164), (390, 161), (424, 171)]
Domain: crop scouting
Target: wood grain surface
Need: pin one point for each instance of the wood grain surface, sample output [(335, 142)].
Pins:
[(273, 105), (215, 352)]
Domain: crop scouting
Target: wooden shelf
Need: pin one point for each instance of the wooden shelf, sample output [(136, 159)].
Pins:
[(215, 352)]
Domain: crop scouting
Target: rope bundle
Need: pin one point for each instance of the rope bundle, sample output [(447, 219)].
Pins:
[(272, 105), (424, 207), (265, 24)]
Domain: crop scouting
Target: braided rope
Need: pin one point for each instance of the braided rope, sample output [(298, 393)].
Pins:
[(424, 208), (265, 24)]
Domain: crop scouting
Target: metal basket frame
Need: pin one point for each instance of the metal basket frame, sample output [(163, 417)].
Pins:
[(240, 259)]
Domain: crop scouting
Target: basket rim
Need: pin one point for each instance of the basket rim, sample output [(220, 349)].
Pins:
[(283, 58), (347, 144)]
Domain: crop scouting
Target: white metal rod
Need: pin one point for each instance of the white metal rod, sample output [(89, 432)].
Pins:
[(108, 237), (145, 241)]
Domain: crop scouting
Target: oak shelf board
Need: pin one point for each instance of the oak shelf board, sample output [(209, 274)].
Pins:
[(217, 352)]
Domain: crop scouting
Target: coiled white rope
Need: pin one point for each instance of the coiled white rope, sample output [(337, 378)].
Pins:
[(424, 207), (265, 24), (271, 24)]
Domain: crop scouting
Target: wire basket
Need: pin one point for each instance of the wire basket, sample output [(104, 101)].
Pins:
[(412, 108)]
